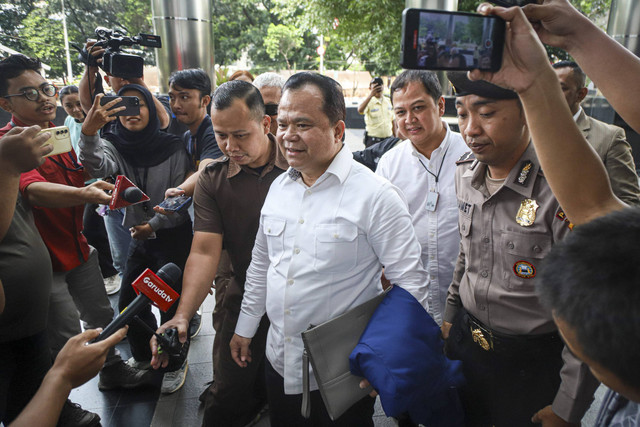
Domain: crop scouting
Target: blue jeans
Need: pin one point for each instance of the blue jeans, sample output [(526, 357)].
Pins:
[(119, 238)]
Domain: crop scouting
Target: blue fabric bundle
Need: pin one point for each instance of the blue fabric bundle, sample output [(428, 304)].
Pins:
[(401, 354)]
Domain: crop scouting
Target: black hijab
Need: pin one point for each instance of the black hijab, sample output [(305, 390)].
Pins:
[(148, 147)]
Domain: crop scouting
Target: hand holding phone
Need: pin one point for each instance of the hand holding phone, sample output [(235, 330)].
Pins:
[(175, 204), (131, 104), (60, 139), (440, 40)]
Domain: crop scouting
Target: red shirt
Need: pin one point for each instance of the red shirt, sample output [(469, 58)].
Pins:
[(60, 228)]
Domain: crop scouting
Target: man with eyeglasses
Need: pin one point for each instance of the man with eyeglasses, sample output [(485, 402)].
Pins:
[(57, 194)]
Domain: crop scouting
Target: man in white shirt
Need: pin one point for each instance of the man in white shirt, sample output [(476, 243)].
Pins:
[(423, 167), (326, 228)]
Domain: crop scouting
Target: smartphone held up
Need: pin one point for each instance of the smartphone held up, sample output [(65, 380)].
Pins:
[(441, 40)]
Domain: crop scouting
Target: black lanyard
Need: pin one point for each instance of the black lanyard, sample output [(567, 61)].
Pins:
[(439, 169)]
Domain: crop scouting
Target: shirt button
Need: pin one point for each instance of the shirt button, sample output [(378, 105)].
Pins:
[(481, 307), (268, 230), (287, 339), (464, 227), (510, 245), (307, 192), (537, 249), (287, 312), (290, 282), (486, 240), (296, 251), (336, 235), (301, 221), (484, 273), (489, 204)]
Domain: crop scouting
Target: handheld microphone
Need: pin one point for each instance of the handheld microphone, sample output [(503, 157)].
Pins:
[(132, 194), (125, 193), (153, 289)]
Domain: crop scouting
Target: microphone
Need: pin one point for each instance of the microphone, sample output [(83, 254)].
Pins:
[(132, 194), (153, 289)]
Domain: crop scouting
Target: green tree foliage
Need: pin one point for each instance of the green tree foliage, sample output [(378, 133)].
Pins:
[(367, 30), (281, 40), (35, 27)]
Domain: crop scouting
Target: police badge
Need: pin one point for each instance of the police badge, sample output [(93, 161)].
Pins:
[(527, 213)]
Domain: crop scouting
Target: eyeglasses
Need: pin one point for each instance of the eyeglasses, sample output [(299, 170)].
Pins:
[(32, 93)]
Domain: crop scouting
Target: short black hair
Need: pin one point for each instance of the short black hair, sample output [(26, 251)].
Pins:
[(578, 74), (228, 92), (14, 65), (67, 90), (192, 78), (591, 280), (333, 104), (428, 79)]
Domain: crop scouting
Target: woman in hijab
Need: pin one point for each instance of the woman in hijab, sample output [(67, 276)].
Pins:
[(154, 161)]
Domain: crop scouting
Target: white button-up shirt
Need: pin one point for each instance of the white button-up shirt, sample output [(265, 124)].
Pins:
[(437, 230), (319, 251)]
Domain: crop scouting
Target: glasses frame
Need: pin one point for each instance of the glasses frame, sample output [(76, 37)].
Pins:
[(38, 90)]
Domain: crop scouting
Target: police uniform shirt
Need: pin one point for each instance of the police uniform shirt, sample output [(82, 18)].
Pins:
[(504, 238)]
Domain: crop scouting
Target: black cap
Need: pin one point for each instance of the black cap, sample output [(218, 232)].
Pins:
[(463, 86), (376, 81)]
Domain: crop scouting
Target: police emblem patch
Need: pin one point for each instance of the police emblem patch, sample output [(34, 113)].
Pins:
[(524, 269)]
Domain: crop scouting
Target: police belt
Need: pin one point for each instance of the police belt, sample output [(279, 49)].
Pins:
[(490, 340)]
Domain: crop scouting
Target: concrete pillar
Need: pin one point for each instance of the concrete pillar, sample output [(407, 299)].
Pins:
[(187, 37)]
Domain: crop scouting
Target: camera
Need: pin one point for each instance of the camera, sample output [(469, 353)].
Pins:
[(121, 64)]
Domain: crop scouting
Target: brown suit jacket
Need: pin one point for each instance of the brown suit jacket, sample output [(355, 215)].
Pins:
[(611, 145)]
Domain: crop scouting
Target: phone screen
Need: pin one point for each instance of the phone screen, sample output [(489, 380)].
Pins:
[(439, 40)]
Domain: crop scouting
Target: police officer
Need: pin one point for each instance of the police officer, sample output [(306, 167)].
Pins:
[(512, 355)]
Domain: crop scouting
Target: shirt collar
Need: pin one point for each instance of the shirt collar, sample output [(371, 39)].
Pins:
[(18, 122), (340, 167), (521, 178), (577, 114), (276, 159)]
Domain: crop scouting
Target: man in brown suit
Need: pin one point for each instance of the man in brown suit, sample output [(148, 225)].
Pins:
[(609, 141)]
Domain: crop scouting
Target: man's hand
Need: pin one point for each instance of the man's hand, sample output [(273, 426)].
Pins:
[(96, 192), (240, 351), (100, 115), (22, 149), (95, 52), (548, 418), (445, 328), (364, 384), (556, 22), (524, 58), (171, 192), (79, 361), (376, 90), (160, 360), (141, 232)]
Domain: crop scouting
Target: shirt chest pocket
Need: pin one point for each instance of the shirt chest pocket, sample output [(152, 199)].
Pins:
[(522, 256), (274, 230), (336, 247)]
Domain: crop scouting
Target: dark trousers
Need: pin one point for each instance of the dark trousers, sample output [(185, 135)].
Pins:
[(237, 394), (284, 409), (170, 245), (23, 365), (508, 385), (96, 234), (370, 140)]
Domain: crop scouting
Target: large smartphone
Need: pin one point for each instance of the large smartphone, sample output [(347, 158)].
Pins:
[(131, 104), (441, 40), (175, 204), (510, 3), (60, 139)]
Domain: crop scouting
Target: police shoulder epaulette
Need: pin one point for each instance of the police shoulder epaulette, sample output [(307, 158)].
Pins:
[(217, 162), (467, 157)]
